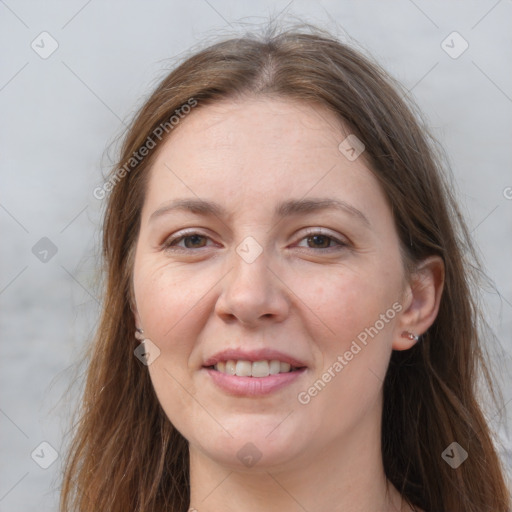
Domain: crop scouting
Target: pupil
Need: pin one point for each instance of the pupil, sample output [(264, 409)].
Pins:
[(318, 239), (196, 241)]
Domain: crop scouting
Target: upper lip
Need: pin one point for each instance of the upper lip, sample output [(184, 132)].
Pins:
[(264, 354)]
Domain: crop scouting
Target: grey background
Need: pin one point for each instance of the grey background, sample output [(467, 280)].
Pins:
[(59, 114)]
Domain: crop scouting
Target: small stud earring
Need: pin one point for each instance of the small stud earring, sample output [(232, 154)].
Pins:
[(410, 336), (139, 334)]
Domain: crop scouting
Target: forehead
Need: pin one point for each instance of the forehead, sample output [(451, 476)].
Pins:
[(256, 151), (279, 126)]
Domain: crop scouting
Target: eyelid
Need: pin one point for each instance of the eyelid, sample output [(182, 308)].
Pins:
[(340, 240), (177, 238)]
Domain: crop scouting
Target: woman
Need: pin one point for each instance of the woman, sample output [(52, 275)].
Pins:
[(288, 321)]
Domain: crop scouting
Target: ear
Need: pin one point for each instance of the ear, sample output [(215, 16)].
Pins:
[(422, 297)]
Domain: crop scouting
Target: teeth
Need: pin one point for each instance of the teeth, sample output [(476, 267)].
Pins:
[(260, 369), (284, 367), (274, 367), (230, 367), (245, 368)]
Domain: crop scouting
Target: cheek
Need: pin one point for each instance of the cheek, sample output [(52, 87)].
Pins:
[(168, 300), (171, 305), (174, 302), (350, 300), (357, 309), (358, 306)]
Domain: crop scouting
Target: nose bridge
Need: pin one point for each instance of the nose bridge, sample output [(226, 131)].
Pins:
[(250, 270), (251, 291)]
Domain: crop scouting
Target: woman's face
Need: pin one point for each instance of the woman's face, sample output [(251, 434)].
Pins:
[(283, 252)]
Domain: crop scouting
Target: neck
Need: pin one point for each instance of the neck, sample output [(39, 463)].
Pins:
[(347, 475)]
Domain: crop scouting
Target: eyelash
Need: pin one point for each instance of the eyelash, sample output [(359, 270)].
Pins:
[(170, 243)]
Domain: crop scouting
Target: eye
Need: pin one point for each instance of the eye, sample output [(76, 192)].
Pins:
[(190, 241), (317, 240), (321, 240)]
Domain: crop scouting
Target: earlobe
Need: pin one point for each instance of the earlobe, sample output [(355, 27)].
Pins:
[(405, 340), (409, 336), (425, 290)]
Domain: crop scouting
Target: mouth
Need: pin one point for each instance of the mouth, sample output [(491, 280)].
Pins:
[(254, 373), (256, 369)]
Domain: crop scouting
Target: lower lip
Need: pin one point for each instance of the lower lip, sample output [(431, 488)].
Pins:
[(253, 386)]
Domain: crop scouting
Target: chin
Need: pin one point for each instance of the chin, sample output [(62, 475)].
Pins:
[(253, 449)]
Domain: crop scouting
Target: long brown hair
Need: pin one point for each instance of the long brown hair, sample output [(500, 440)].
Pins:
[(127, 456)]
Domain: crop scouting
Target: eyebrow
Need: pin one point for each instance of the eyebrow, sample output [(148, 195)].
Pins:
[(285, 209)]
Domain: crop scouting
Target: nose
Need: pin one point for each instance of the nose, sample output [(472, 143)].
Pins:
[(252, 294)]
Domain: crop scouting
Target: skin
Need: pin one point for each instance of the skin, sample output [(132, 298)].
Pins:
[(297, 296)]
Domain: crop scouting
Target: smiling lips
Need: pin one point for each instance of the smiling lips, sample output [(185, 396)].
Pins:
[(244, 368), (259, 372)]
